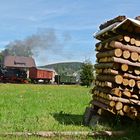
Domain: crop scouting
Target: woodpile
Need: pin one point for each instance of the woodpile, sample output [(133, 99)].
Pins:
[(117, 84)]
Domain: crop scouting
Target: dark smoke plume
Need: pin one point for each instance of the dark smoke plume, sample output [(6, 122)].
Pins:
[(45, 39)]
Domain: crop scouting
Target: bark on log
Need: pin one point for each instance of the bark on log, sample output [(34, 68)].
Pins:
[(135, 96), (107, 65), (105, 101), (120, 99), (116, 44), (123, 61), (115, 72), (104, 45), (111, 78), (48, 134), (117, 19), (123, 100), (103, 106), (115, 52), (114, 91)]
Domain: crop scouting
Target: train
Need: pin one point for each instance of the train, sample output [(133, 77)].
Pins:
[(17, 69), (13, 75), (16, 75), (37, 75), (65, 79)]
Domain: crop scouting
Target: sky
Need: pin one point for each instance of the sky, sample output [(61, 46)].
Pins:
[(72, 22)]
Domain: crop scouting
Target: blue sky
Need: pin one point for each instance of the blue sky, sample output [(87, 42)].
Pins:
[(76, 20)]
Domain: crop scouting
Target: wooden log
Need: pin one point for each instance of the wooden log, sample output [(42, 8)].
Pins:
[(132, 41), (116, 91), (107, 65), (103, 106), (134, 56), (139, 58), (124, 67), (106, 33), (113, 91), (137, 43), (136, 71), (138, 84), (115, 72), (120, 112), (111, 78), (127, 39), (115, 52), (105, 101), (119, 105), (126, 54), (123, 100), (133, 112), (61, 134), (108, 84), (125, 82), (123, 61), (126, 109), (104, 59), (117, 19), (126, 94), (98, 70), (110, 97), (131, 83), (98, 46), (105, 44), (134, 96), (116, 44)]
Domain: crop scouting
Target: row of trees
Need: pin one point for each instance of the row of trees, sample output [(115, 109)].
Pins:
[(87, 74)]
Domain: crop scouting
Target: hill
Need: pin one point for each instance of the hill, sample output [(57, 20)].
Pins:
[(67, 68)]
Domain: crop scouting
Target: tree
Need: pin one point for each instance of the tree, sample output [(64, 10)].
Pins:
[(87, 73)]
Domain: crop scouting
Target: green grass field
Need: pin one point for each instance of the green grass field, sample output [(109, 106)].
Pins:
[(25, 107), (32, 108)]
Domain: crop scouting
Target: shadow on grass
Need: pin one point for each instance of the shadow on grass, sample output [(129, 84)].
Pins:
[(68, 119)]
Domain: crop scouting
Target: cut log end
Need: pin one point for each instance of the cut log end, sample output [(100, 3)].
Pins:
[(118, 79), (124, 67), (119, 106)]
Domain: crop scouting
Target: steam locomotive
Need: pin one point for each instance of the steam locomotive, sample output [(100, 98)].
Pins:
[(17, 69), (16, 75), (13, 75)]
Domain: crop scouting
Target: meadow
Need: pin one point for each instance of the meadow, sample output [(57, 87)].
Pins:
[(25, 107), (32, 108)]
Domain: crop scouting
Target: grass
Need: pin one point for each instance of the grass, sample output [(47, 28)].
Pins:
[(25, 107)]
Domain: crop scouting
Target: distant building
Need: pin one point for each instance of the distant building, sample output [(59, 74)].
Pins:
[(18, 62)]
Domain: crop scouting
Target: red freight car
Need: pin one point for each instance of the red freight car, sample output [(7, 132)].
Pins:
[(39, 74)]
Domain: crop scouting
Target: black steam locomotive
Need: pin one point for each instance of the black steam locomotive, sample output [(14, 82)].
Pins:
[(12, 75)]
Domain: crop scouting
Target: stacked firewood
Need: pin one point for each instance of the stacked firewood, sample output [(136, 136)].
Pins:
[(117, 84)]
